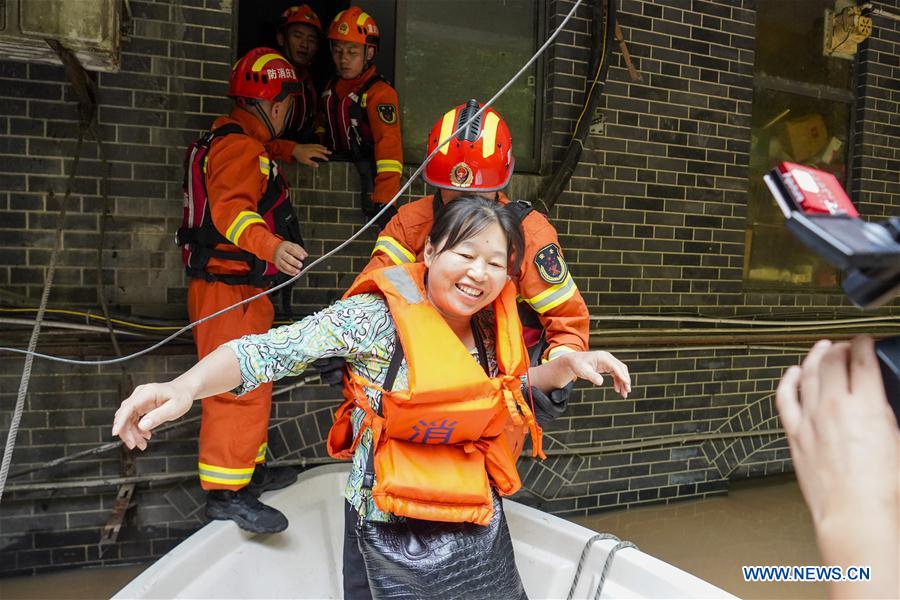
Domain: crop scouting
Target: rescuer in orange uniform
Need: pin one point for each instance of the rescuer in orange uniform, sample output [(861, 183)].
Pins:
[(480, 160), (299, 33), (239, 232), (361, 117)]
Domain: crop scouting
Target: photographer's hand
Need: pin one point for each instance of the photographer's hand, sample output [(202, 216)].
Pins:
[(846, 451)]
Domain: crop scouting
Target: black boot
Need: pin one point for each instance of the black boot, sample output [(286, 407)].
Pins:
[(266, 479), (243, 508)]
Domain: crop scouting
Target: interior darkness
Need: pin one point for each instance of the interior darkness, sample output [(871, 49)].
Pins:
[(257, 22)]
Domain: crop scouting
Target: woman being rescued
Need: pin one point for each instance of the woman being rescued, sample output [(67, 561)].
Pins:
[(443, 408)]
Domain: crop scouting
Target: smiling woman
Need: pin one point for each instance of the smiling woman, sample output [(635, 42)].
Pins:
[(435, 417), (471, 250)]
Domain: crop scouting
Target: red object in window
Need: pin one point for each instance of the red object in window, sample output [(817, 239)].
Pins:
[(816, 192)]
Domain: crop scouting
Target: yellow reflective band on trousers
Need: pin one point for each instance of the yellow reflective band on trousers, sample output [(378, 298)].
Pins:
[(245, 219), (553, 296), (261, 453), (224, 475), (388, 166), (394, 249)]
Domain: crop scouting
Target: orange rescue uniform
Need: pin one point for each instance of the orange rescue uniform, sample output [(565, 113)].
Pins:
[(233, 432), (379, 129), (544, 284)]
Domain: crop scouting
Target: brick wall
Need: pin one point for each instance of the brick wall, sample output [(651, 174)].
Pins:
[(652, 223)]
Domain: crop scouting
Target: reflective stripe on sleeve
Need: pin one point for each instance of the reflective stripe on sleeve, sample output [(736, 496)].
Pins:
[(224, 475), (388, 166), (553, 296), (264, 165), (244, 219), (394, 250), (558, 351)]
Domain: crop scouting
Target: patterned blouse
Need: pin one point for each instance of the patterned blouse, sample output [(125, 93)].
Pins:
[(359, 329)]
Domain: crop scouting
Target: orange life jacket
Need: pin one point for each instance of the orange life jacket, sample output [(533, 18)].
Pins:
[(443, 441)]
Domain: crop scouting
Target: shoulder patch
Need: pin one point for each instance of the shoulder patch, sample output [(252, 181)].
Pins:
[(387, 113), (550, 264)]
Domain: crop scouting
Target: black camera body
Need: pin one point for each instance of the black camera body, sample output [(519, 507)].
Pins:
[(823, 218)]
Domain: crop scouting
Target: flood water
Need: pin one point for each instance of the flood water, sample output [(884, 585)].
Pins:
[(760, 522)]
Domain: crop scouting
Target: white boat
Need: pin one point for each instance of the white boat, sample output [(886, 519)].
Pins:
[(222, 561)]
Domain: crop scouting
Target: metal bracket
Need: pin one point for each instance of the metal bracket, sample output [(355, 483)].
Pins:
[(632, 71), (110, 532), (598, 123)]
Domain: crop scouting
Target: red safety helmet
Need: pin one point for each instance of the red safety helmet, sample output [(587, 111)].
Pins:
[(300, 15), (479, 158), (263, 74), (356, 26)]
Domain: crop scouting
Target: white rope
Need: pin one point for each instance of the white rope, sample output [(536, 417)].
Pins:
[(584, 553), (339, 247)]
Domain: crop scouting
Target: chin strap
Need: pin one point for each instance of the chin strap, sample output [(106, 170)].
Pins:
[(254, 107)]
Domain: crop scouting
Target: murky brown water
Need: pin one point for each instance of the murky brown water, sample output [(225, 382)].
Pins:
[(760, 522), (76, 584)]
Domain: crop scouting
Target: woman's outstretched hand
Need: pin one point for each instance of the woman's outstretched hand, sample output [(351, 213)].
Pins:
[(149, 406), (559, 372), (591, 365)]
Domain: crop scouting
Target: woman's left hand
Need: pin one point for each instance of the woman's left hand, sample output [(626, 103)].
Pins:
[(590, 366)]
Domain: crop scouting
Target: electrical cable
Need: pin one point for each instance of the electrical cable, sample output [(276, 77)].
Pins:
[(337, 248), (32, 342), (71, 326), (89, 316), (739, 321), (582, 126), (712, 330), (594, 318)]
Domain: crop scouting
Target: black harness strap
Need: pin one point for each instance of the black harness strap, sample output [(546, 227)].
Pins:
[(520, 209), (388, 385)]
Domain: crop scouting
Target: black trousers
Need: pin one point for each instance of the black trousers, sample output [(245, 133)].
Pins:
[(356, 582)]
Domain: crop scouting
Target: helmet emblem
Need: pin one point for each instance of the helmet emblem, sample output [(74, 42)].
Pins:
[(461, 175), (343, 28)]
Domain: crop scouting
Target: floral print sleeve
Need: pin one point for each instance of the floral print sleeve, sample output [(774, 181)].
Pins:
[(355, 328)]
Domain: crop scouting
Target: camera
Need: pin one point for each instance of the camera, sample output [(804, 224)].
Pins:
[(820, 214)]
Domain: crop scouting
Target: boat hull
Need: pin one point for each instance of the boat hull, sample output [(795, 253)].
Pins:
[(222, 561)]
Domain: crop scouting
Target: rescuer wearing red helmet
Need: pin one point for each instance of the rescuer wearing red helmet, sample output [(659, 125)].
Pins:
[(479, 159), (239, 232), (299, 34), (361, 114)]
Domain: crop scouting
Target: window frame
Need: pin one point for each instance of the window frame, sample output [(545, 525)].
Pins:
[(763, 81), (533, 164)]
